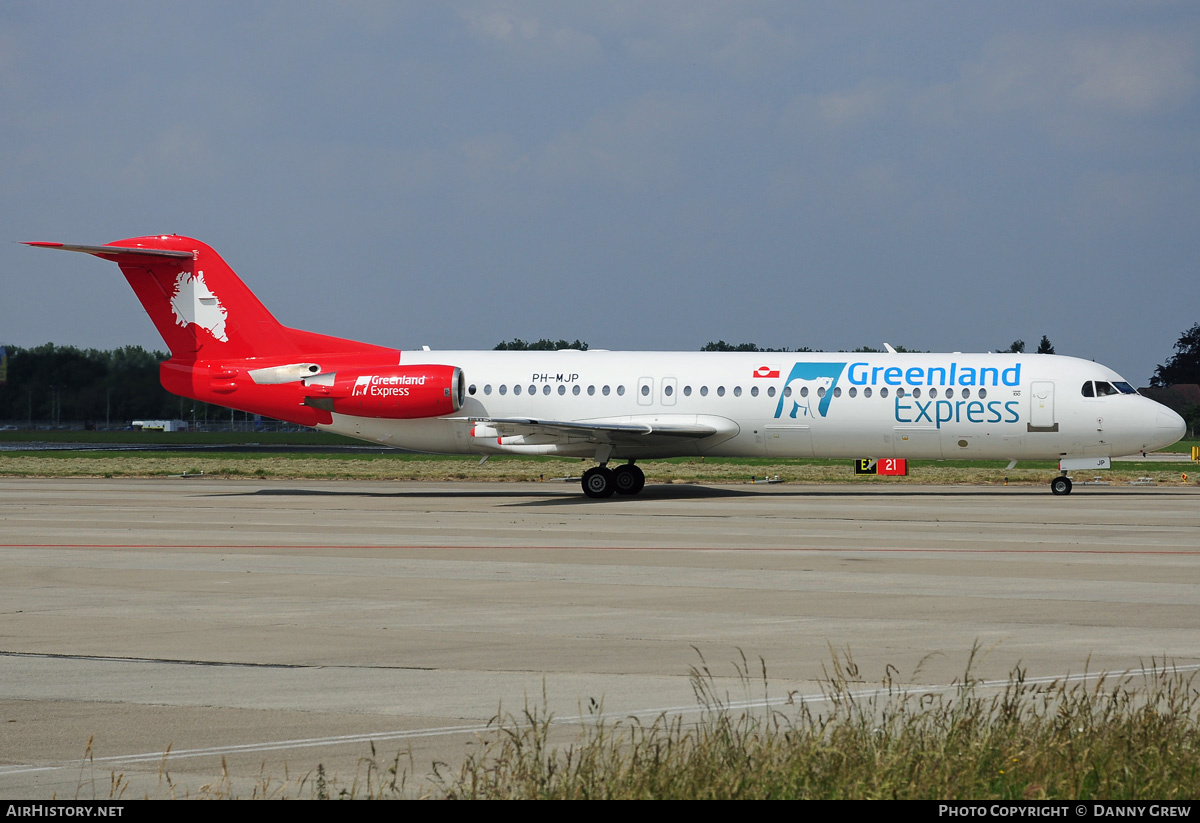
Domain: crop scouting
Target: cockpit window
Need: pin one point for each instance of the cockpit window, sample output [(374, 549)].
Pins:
[(1087, 389), (1124, 388), (1104, 389)]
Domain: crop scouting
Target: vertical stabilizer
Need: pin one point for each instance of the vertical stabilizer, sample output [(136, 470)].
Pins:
[(201, 307)]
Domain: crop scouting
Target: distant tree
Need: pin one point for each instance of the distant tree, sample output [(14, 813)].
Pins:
[(1045, 347), (517, 344), (721, 345), (872, 349), (1016, 347), (71, 385), (1184, 365)]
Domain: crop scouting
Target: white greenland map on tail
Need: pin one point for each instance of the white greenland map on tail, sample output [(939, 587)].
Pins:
[(193, 302)]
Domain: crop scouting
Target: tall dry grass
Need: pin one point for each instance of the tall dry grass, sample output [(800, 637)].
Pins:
[(1122, 737)]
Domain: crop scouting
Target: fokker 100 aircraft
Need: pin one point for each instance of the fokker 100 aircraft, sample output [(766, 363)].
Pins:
[(227, 349)]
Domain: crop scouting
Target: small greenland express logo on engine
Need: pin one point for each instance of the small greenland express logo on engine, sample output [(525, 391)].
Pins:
[(193, 302), (376, 385)]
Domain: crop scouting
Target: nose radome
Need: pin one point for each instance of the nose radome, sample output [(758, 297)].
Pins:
[(1170, 427)]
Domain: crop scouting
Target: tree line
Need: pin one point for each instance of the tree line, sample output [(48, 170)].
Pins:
[(51, 384)]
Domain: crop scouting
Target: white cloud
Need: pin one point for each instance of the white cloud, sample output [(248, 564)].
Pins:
[(529, 38), (755, 46), (634, 148), (1134, 74), (1103, 73)]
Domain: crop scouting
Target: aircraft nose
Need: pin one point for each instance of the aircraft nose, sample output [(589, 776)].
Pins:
[(1169, 428)]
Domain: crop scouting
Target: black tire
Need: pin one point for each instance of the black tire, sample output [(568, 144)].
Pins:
[(1060, 485), (599, 482), (629, 479)]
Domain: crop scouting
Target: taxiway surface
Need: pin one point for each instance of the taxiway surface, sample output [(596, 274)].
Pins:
[(277, 625)]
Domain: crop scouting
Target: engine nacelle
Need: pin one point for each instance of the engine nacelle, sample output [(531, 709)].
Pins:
[(392, 392)]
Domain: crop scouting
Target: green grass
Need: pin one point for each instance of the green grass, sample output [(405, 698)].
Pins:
[(396, 465), (307, 437), (401, 466), (1185, 446)]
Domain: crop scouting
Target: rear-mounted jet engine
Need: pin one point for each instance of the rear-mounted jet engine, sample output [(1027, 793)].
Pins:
[(395, 393)]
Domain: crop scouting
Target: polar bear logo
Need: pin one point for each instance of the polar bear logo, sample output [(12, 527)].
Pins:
[(194, 303), (805, 393), (813, 377)]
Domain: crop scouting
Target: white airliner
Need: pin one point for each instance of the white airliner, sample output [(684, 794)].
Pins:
[(227, 349)]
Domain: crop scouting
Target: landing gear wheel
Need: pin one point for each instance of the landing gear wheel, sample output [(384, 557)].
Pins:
[(629, 479), (1061, 485), (599, 482)]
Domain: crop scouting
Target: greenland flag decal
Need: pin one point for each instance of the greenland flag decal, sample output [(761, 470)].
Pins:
[(766, 371)]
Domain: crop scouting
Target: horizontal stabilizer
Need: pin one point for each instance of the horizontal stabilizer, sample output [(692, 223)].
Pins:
[(123, 250)]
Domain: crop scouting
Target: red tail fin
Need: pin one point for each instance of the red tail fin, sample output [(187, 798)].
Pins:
[(201, 307)]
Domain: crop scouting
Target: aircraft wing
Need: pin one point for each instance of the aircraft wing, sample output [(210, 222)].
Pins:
[(633, 430)]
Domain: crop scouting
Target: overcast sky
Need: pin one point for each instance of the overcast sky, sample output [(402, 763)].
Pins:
[(640, 175)]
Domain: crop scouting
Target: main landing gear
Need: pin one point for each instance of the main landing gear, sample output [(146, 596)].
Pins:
[(1060, 485), (601, 481)]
